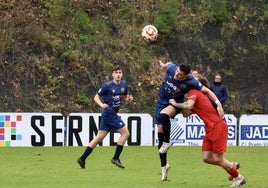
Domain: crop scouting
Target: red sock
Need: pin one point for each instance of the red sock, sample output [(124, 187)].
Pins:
[(233, 172)]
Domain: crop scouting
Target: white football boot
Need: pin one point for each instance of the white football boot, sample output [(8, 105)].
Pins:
[(165, 170), (239, 180)]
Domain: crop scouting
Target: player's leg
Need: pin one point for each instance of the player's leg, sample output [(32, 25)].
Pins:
[(102, 132), (163, 147), (164, 126), (221, 161), (120, 127), (92, 144), (236, 165), (124, 134), (207, 153), (219, 137), (230, 168), (207, 157), (164, 120), (163, 156), (98, 139), (214, 143), (160, 135)]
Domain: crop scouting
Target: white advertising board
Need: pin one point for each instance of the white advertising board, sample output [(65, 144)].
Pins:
[(190, 131), (31, 129), (77, 129), (253, 130), (83, 128)]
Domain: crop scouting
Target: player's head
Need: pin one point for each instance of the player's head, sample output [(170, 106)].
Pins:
[(115, 68), (182, 72), (203, 81), (117, 73)]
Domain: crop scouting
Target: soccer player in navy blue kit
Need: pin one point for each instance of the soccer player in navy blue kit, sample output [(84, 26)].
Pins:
[(176, 84), (109, 98)]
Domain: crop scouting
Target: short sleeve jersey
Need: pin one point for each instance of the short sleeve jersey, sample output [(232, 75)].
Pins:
[(204, 109), (175, 89), (112, 94)]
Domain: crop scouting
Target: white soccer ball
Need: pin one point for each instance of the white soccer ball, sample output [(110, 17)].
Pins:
[(149, 33)]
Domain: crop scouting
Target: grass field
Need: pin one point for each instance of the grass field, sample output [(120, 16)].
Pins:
[(56, 167)]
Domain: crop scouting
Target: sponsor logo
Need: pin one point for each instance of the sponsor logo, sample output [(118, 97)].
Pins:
[(254, 132)]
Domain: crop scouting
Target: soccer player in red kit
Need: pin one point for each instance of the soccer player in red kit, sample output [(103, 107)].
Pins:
[(216, 129)]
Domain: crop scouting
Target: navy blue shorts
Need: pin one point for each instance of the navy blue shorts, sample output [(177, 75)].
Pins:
[(110, 120)]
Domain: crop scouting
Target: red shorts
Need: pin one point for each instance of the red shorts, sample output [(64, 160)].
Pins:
[(216, 139)]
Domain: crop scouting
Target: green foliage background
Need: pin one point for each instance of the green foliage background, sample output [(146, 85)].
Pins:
[(54, 54)]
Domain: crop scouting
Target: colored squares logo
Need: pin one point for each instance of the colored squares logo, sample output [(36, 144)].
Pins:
[(8, 130)]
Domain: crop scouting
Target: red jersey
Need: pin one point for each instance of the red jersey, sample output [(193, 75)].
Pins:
[(204, 109)]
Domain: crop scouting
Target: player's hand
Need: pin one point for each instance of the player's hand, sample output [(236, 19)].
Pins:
[(104, 105), (129, 98), (172, 102), (220, 111), (163, 65)]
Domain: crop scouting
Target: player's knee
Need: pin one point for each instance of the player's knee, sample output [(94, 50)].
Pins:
[(124, 133), (159, 128), (127, 134), (164, 119), (206, 160)]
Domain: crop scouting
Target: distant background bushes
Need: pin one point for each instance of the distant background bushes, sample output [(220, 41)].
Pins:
[(54, 54)]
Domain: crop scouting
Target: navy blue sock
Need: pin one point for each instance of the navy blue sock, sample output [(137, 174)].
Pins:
[(118, 151), (164, 118), (163, 159), (162, 156), (160, 140), (167, 133), (86, 153)]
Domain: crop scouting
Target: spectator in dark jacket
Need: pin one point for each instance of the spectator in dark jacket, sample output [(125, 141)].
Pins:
[(219, 89)]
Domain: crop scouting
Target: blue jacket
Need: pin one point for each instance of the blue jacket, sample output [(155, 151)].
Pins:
[(220, 91)]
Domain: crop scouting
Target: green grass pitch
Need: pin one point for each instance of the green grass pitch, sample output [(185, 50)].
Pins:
[(56, 167)]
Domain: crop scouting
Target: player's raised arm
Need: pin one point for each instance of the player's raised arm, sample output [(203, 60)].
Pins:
[(163, 65)]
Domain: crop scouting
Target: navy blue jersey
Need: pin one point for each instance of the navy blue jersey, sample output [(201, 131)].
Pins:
[(112, 94), (175, 89)]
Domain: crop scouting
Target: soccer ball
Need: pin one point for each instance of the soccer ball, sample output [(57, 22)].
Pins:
[(149, 33)]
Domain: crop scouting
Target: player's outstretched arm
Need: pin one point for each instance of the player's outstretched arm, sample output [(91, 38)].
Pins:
[(185, 106), (163, 65)]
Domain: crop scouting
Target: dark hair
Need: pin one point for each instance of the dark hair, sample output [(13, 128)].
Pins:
[(185, 68), (116, 68), (203, 81)]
